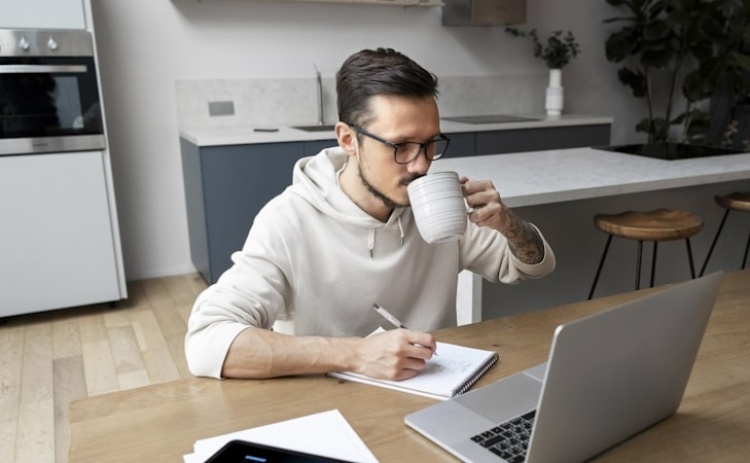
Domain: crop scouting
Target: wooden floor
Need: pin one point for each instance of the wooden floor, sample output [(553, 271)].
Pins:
[(49, 359)]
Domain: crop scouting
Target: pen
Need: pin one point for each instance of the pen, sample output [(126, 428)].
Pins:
[(388, 316), (391, 319)]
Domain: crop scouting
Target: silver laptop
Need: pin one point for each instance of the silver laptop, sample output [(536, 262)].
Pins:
[(607, 377)]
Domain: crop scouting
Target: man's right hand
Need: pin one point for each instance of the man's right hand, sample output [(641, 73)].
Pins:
[(394, 355)]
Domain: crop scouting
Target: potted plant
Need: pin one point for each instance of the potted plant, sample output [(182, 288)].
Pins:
[(677, 55), (556, 51)]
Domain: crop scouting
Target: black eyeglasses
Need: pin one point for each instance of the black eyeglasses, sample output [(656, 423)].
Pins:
[(406, 152)]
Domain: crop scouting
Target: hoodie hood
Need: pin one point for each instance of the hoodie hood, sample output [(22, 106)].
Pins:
[(315, 180)]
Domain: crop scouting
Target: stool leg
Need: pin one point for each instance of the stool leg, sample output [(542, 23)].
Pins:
[(713, 244), (653, 263), (747, 248), (690, 258), (638, 266), (601, 264)]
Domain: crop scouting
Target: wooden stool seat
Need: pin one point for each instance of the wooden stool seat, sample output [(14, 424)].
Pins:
[(656, 225), (737, 201)]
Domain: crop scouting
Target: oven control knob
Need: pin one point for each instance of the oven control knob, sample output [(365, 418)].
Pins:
[(52, 44), (24, 44)]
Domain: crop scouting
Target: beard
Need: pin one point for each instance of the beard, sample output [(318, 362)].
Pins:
[(388, 202)]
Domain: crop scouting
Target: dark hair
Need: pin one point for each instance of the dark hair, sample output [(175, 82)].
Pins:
[(384, 71)]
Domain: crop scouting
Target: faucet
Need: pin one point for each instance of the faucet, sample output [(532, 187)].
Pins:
[(320, 95)]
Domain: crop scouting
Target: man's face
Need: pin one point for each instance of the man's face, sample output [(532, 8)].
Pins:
[(396, 119)]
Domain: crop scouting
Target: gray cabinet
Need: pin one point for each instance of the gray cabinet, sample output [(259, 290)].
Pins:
[(226, 186), (462, 144), (314, 147)]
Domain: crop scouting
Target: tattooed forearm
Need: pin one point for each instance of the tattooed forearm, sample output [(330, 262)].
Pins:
[(523, 240)]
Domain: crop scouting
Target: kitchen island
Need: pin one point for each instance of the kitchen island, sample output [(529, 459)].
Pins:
[(553, 176), (561, 190)]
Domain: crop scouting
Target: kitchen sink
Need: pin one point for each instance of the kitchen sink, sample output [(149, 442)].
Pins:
[(490, 119), (315, 128)]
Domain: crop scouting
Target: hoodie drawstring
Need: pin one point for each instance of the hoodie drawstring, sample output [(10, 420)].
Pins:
[(400, 229), (371, 241), (371, 237)]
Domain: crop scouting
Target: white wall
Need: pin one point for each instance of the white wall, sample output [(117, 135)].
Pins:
[(145, 45)]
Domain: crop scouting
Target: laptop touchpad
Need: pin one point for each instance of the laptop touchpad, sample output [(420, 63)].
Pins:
[(504, 399)]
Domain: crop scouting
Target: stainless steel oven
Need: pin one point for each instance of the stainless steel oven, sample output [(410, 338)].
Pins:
[(49, 95)]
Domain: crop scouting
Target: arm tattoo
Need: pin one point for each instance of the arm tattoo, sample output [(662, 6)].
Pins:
[(523, 240)]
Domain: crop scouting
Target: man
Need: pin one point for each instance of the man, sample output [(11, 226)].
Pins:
[(343, 238)]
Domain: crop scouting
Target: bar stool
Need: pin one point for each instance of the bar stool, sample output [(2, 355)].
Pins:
[(732, 202), (657, 225)]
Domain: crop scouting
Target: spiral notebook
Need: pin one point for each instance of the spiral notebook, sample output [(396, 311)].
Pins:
[(449, 373)]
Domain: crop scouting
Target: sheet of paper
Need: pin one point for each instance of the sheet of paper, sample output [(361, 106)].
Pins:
[(327, 434)]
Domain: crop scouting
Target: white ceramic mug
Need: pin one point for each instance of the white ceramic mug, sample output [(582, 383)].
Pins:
[(439, 208)]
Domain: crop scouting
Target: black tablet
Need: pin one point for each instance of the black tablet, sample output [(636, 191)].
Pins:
[(239, 451)]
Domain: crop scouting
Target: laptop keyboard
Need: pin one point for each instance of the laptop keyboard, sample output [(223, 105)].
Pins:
[(509, 440)]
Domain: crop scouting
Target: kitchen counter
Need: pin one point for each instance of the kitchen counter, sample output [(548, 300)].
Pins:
[(546, 177), (245, 134)]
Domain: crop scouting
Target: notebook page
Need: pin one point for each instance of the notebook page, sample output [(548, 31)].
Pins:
[(444, 375)]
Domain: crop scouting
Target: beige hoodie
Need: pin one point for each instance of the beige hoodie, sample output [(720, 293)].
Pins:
[(312, 257)]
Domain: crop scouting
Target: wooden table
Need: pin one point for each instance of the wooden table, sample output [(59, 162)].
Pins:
[(161, 422)]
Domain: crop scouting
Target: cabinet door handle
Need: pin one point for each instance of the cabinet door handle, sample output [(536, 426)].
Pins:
[(40, 69)]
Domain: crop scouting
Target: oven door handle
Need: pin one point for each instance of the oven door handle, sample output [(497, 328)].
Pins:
[(40, 69)]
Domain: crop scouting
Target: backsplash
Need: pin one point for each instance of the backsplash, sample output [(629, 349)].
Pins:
[(275, 102)]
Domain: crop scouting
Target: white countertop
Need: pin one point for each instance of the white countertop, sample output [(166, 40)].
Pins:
[(544, 177), (246, 134)]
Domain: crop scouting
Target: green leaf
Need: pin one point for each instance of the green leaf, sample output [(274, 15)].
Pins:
[(644, 126), (653, 9), (697, 86), (709, 28), (621, 44), (739, 59), (698, 125), (656, 128), (698, 128), (614, 20), (657, 30), (636, 80), (659, 129)]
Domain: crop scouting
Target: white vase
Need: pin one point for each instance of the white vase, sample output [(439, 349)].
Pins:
[(554, 100)]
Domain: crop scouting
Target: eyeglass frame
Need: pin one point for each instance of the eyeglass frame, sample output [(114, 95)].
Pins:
[(395, 146)]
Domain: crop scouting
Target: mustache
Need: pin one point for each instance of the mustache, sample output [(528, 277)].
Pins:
[(407, 180)]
